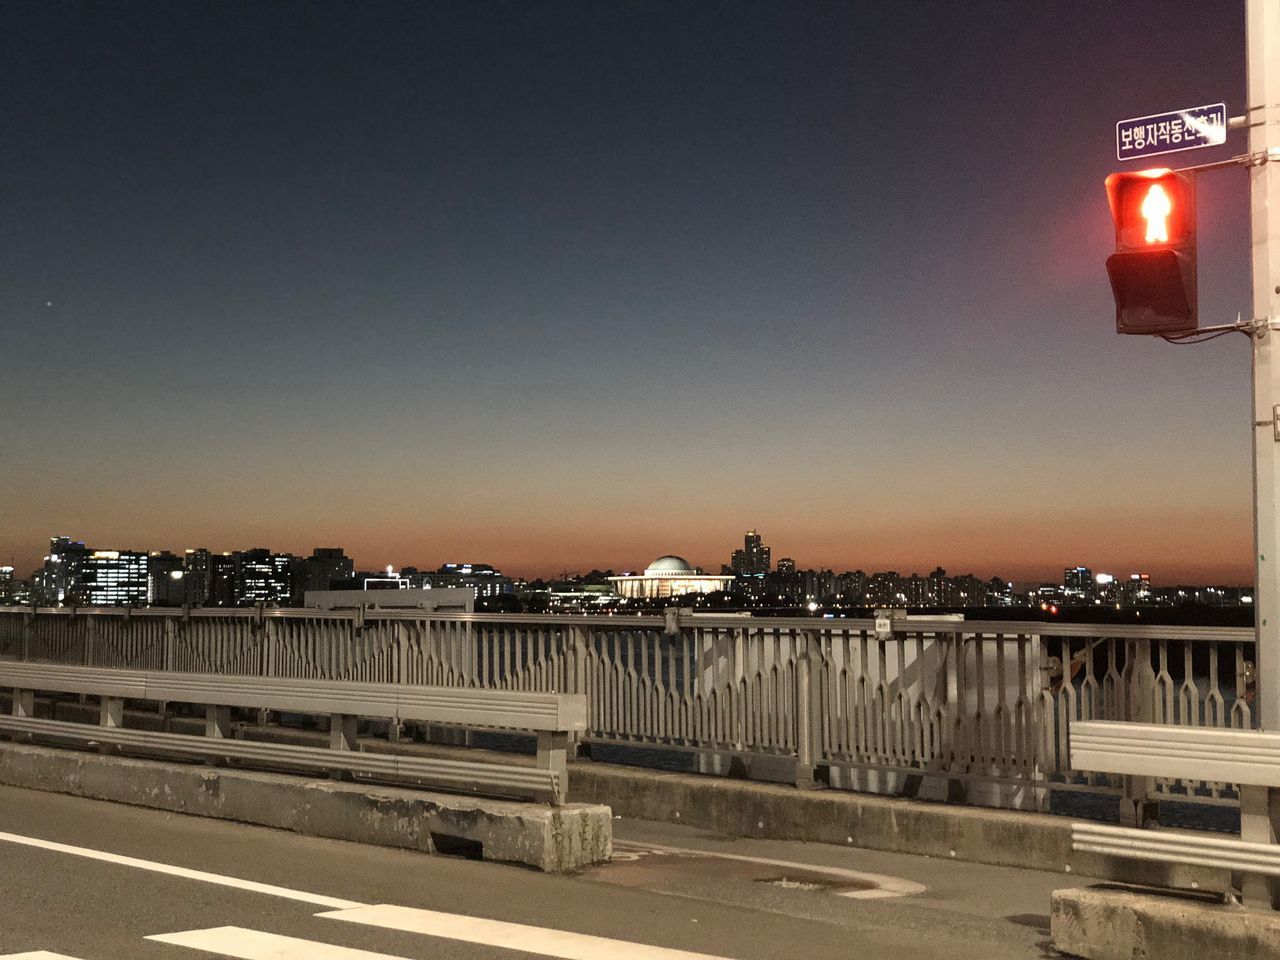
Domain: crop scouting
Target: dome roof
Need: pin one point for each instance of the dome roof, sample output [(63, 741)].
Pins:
[(669, 564)]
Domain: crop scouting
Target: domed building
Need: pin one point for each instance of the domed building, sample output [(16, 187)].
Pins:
[(668, 576)]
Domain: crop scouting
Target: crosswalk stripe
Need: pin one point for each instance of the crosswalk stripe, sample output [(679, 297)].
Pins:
[(257, 945), (36, 955), (512, 936)]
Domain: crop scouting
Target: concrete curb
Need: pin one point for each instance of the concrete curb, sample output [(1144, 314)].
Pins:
[(1108, 924), (1038, 841), (554, 839)]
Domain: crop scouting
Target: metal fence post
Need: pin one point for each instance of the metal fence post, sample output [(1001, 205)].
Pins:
[(1258, 809), (171, 627), (264, 634), (1041, 738), (806, 748), (577, 670), (1136, 809), (89, 628)]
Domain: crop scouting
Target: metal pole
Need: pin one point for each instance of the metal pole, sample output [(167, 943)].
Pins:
[(1262, 28), (1263, 43)]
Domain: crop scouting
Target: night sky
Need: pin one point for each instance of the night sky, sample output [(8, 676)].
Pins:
[(559, 285)]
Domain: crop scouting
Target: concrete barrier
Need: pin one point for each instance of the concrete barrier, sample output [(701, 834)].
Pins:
[(752, 809), (1009, 838), (1109, 924), (555, 839)]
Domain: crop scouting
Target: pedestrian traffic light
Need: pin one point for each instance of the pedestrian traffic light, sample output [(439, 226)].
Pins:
[(1153, 271)]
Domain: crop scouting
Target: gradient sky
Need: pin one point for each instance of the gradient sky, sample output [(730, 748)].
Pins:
[(562, 285)]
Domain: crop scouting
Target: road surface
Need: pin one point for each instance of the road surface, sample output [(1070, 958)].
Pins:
[(89, 880)]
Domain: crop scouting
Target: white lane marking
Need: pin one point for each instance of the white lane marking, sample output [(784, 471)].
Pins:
[(333, 903), (515, 936), (510, 936), (883, 885), (36, 955), (256, 945)]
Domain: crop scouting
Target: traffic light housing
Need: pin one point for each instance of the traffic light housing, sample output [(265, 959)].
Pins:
[(1153, 271)]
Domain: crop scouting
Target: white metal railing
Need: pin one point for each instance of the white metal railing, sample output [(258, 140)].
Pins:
[(968, 710), (551, 717)]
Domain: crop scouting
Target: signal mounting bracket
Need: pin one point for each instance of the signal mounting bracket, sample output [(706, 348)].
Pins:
[(1273, 423), (1240, 160), (1250, 328)]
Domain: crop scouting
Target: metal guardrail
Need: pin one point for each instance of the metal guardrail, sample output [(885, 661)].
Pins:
[(552, 716), (459, 776), (1248, 758), (1166, 847), (539, 712), (980, 711), (1158, 750)]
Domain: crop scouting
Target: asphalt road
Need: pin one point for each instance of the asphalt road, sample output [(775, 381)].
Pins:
[(210, 888)]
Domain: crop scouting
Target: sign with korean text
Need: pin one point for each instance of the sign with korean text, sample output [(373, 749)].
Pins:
[(1187, 129)]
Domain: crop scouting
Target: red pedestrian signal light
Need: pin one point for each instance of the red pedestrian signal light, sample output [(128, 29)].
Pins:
[(1155, 210), (1153, 271)]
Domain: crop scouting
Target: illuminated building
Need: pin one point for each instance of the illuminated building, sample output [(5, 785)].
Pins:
[(668, 576), (1138, 590), (1077, 583), (481, 577), (567, 597), (753, 560), (75, 575), (20, 593), (63, 568), (885, 590), (387, 579), (6, 584), (262, 577), (112, 578)]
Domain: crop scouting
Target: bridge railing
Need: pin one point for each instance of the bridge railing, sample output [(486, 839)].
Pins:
[(938, 708)]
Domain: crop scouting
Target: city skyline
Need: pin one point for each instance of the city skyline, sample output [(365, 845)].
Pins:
[(710, 565), (574, 287)]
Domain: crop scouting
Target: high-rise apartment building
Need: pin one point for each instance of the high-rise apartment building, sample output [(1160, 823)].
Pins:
[(818, 584), (884, 589), (915, 591), (850, 586), (196, 582), (166, 576), (222, 580), (753, 560), (63, 568), (1077, 584)]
